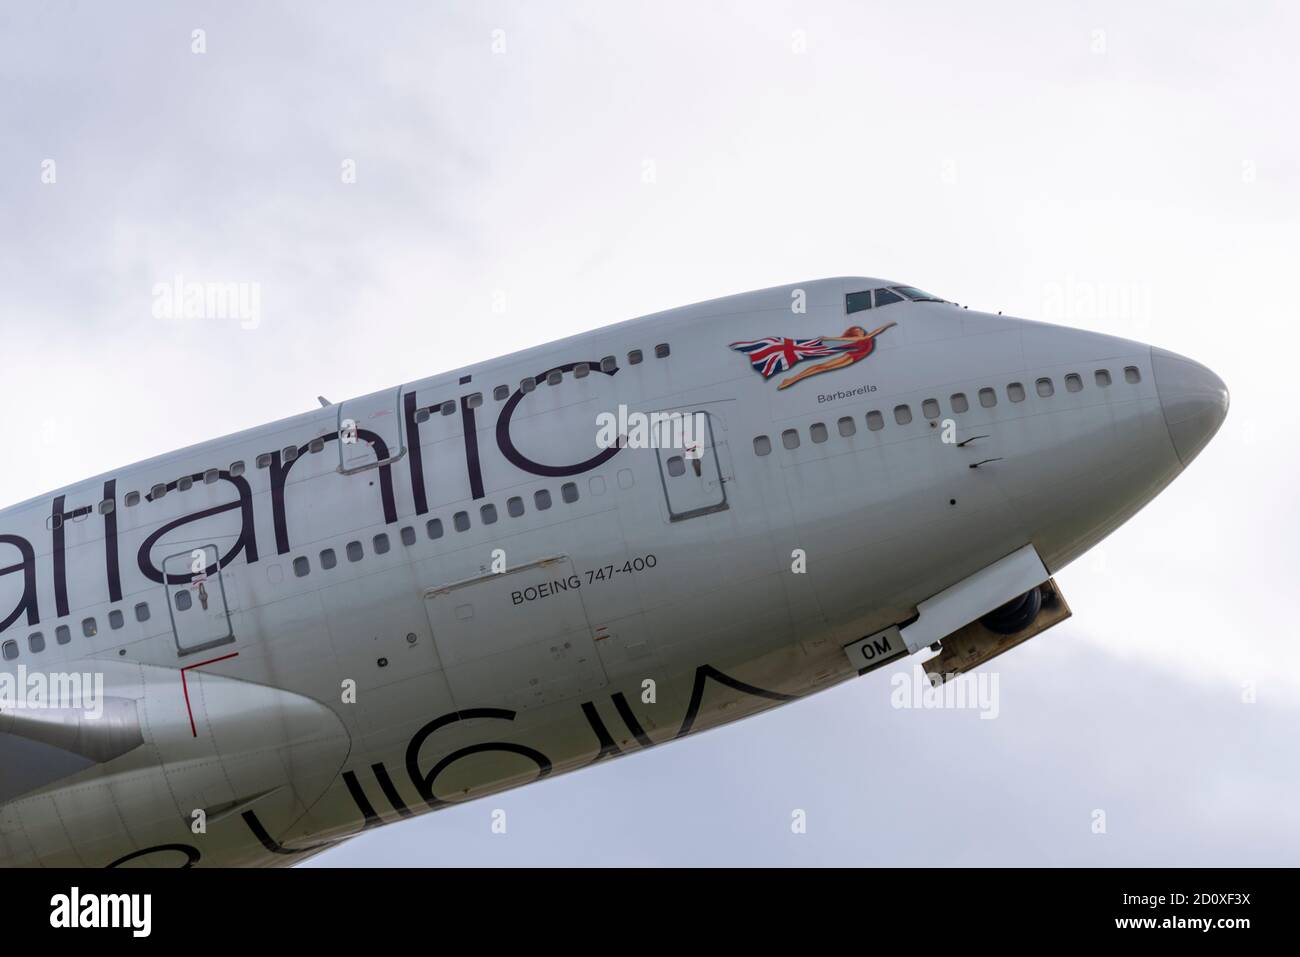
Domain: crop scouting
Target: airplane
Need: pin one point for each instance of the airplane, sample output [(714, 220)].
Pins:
[(249, 650)]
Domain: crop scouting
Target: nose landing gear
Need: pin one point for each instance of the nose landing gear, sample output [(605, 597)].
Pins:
[(1016, 615)]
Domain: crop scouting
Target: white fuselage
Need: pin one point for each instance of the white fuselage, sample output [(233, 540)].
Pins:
[(450, 588)]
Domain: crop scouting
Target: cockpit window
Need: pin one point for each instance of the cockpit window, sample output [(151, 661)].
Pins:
[(916, 295), (857, 301)]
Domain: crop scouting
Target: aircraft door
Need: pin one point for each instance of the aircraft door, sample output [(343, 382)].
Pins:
[(199, 595), (688, 448), (371, 433)]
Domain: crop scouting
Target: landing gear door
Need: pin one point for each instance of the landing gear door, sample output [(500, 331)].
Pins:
[(517, 639), (199, 595), (688, 448), (371, 432)]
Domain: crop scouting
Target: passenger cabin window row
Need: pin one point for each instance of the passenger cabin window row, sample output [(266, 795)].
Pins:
[(957, 402), (63, 633), (434, 528), (354, 551), (580, 371)]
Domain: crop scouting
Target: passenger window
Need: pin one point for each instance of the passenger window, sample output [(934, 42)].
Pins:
[(542, 499), (1073, 383), (460, 521), (408, 535), (35, 642), (328, 559), (528, 384), (554, 377), (582, 370), (132, 499), (875, 421), (847, 426), (90, 629), (1131, 375), (236, 469), (448, 407), (106, 506), (902, 414), (183, 602), (762, 445), (184, 484), (10, 650), (381, 544), (959, 403), (115, 619), (421, 416), (317, 445), (354, 551), (790, 438), (264, 460), (634, 357), (884, 297), (501, 393), (930, 408), (1102, 376), (676, 466), (608, 364), (488, 514), (158, 491), (210, 477), (1045, 388), (301, 567), (818, 432), (514, 506), (569, 492), (988, 398), (857, 302), (475, 400), (433, 528), (1016, 392), (661, 351), (289, 453), (141, 612)]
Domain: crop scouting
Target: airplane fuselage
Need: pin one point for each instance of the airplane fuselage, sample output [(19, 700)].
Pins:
[(517, 569)]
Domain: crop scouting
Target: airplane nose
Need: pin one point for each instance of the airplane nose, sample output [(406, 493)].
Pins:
[(1194, 400)]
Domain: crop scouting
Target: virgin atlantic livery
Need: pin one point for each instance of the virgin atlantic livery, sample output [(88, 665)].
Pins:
[(248, 650)]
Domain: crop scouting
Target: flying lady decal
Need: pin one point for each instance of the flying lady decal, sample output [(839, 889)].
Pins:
[(774, 354)]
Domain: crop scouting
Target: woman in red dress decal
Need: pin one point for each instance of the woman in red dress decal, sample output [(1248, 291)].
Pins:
[(854, 346)]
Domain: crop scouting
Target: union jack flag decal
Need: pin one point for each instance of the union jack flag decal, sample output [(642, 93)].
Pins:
[(775, 354)]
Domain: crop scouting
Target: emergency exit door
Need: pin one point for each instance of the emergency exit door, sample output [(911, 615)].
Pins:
[(689, 453), (199, 594), (371, 432)]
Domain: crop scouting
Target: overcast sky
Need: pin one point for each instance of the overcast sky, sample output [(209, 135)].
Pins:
[(528, 171)]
